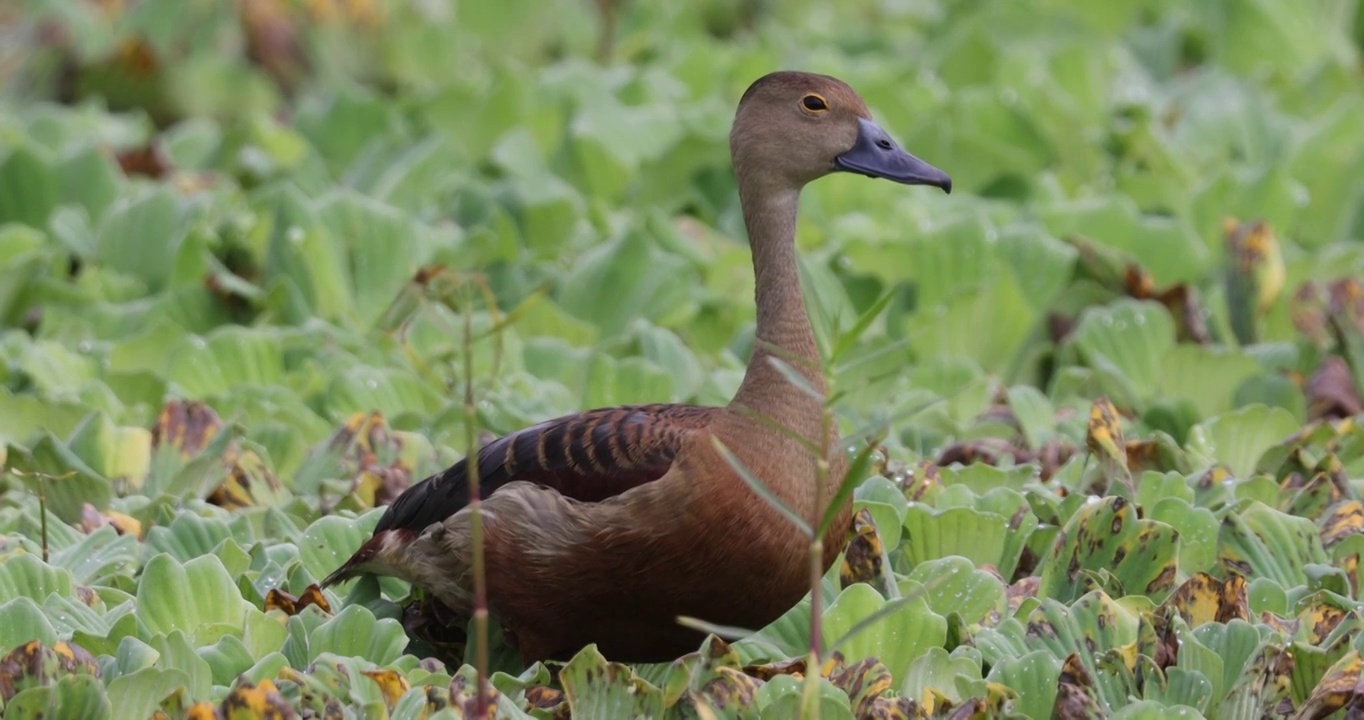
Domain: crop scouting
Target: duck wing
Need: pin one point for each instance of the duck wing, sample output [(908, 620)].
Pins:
[(589, 456)]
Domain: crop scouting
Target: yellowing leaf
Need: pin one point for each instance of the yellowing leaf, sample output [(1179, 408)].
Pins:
[(1103, 436), (1203, 599), (1340, 685), (390, 683)]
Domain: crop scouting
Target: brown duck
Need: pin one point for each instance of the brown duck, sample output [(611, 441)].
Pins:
[(605, 526)]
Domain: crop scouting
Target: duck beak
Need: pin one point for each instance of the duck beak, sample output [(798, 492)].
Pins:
[(876, 155)]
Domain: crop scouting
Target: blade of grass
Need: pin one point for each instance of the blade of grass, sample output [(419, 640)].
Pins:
[(851, 479), (848, 339), (879, 427), (761, 488), (886, 610), (728, 632), (806, 443), (797, 380)]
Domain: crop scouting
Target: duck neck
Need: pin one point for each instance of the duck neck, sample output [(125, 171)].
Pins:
[(783, 326)]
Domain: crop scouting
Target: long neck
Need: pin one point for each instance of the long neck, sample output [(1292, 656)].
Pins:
[(783, 327)]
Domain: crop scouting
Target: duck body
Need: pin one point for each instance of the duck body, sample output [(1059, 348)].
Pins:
[(605, 526)]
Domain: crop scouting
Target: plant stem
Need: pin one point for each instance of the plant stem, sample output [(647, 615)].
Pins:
[(480, 600), (810, 695), (42, 512)]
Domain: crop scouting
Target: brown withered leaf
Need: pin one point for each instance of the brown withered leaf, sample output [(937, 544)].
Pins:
[(187, 426), (249, 482), (972, 709), (272, 41), (1022, 589), (923, 480), (1213, 476), (148, 161), (1308, 312), (864, 682), (791, 666), (279, 599), (381, 486), (1331, 391), (994, 451), (1203, 599), (438, 626), (539, 697), (1075, 695), (367, 443), (728, 690), (893, 708), (1346, 303), (990, 451), (862, 558), (1059, 327), (1051, 456), (1287, 626), (1157, 638), (1180, 299), (136, 57), (464, 695), (1339, 688), (1145, 455), (372, 456)]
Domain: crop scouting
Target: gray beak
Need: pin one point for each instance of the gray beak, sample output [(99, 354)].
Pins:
[(876, 155)]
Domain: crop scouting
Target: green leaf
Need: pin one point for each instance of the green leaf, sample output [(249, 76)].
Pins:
[(983, 537), (327, 543), (356, 632), (203, 367), (197, 598), (1261, 542), (1109, 536), (140, 693), (781, 697), (78, 697), (955, 585), (67, 483), (937, 672), (1239, 438), (141, 236), (28, 576), (1034, 676), (1129, 339), (597, 688), (954, 333), (22, 620), (895, 638), (28, 188)]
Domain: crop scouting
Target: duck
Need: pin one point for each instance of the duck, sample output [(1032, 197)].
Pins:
[(606, 526)]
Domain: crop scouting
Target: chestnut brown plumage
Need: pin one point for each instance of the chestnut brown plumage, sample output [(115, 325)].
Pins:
[(605, 526)]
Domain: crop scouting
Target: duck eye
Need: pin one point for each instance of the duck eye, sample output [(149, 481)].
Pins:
[(814, 103)]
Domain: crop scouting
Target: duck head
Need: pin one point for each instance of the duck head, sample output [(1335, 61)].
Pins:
[(796, 127)]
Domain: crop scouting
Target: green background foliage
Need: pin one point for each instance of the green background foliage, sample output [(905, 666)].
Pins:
[(240, 243)]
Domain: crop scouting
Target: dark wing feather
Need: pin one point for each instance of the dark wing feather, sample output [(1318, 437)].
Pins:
[(589, 456)]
